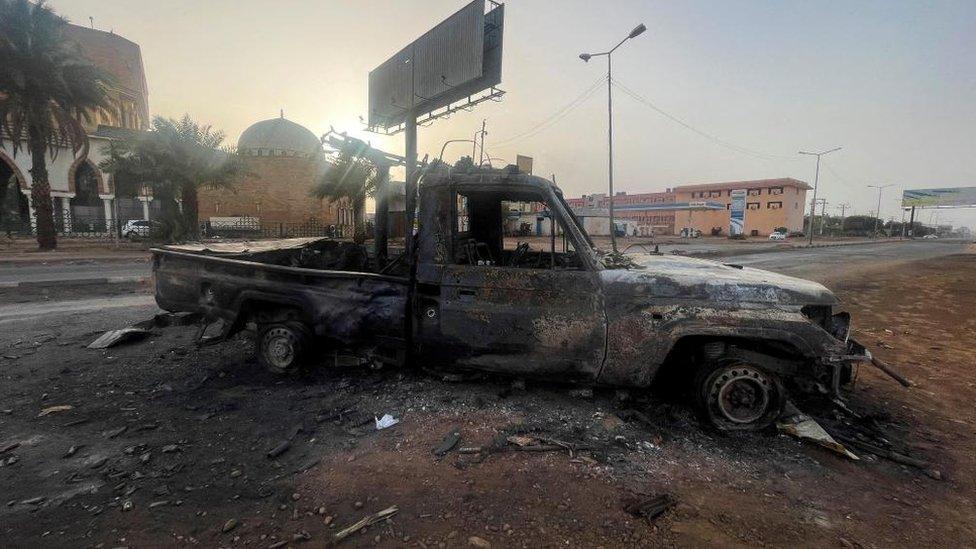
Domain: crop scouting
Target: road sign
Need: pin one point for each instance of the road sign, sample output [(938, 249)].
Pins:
[(453, 61), (737, 212)]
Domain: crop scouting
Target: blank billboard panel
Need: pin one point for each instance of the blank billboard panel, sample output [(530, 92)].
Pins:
[(456, 59)]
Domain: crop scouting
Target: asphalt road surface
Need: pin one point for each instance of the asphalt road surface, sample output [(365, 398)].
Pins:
[(80, 270), (22, 319)]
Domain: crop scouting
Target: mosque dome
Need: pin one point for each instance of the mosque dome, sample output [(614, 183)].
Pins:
[(278, 137)]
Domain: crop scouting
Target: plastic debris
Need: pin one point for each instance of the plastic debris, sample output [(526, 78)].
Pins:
[(386, 421)]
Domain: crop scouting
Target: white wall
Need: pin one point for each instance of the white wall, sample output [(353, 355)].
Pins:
[(57, 168)]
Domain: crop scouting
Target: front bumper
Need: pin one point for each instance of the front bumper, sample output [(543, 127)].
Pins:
[(843, 364)]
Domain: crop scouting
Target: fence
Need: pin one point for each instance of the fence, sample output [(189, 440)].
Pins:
[(96, 227)]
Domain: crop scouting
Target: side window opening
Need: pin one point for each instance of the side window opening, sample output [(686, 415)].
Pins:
[(510, 229)]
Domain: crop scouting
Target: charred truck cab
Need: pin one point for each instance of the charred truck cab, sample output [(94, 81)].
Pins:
[(474, 298)]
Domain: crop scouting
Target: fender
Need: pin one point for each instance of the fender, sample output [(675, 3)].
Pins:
[(638, 343)]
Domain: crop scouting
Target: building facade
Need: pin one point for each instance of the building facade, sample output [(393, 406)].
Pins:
[(83, 196), (770, 204), (282, 162)]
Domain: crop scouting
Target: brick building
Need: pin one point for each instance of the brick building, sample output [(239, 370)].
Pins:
[(770, 203), (282, 161)]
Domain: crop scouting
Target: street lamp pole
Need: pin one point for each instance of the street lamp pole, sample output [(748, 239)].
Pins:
[(877, 212), (816, 182), (638, 30)]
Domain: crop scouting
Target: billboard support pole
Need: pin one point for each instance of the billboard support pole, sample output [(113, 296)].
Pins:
[(911, 224), (410, 201)]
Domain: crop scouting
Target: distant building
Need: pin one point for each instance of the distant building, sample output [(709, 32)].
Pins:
[(646, 213), (770, 204), (282, 162), (83, 197)]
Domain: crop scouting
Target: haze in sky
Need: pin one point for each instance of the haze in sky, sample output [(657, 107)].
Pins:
[(891, 82)]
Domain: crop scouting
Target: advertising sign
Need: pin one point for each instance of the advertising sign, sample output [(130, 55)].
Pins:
[(737, 215), (952, 197)]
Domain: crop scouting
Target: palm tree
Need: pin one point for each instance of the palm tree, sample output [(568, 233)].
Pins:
[(348, 176), (46, 87), (176, 158)]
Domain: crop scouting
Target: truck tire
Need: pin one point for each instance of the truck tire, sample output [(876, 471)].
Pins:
[(283, 346), (734, 395)]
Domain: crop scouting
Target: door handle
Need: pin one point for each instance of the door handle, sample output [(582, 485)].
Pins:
[(467, 292)]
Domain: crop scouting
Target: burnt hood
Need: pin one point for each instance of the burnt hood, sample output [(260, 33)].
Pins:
[(680, 277)]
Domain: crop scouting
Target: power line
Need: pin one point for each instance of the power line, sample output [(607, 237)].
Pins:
[(552, 119), (646, 102)]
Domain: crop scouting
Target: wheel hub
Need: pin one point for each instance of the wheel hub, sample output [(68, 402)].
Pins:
[(742, 394), (280, 347)]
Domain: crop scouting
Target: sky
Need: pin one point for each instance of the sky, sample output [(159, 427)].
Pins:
[(891, 82)]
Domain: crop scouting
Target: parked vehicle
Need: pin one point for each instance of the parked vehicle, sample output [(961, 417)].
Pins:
[(136, 228), (738, 337), (777, 236)]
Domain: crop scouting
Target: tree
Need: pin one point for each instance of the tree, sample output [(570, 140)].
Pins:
[(348, 175), (175, 158), (464, 164), (46, 88)]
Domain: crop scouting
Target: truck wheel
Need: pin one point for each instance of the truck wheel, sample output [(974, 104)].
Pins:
[(737, 396), (283, 346)]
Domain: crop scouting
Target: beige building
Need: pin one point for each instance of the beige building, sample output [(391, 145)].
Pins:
[(770, 204)]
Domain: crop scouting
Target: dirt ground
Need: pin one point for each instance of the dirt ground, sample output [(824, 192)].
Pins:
[(172, 447)]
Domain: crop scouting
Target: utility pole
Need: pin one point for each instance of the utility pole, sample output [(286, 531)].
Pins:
[(816, 181), (638, 30), (483, 132), (843, 211), (877, 212), (823, 214)]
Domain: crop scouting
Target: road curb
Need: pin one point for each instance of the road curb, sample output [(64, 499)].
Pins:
[(75, 282)]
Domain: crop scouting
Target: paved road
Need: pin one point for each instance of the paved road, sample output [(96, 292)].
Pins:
[(836, 259), (81, 270)]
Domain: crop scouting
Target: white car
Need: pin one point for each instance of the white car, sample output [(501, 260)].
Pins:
[(777, 236), (136, 228)]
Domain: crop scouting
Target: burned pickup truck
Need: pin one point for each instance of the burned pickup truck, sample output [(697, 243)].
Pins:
[(470, 296)]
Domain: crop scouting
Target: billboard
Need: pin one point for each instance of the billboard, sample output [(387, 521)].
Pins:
[(524, 164), (952, 197), (456, 59), (737, 212)]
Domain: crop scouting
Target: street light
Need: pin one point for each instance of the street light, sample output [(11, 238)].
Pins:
[(816, 181), (638, 30), (878, 211)]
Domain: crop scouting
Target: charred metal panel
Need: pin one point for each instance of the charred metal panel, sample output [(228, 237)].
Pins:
[(347, 307), (650, 309), (523, 321)]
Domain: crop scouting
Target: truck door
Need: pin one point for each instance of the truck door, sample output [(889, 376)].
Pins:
[(520, 305)]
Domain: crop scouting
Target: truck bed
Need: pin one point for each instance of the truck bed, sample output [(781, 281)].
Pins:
[(349, 307)]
